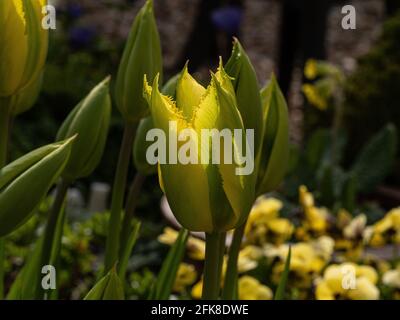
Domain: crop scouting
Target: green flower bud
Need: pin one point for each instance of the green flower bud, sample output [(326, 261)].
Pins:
[(90, 120), (109, 287), (142, 55), (140, 145), (26, 181), (274, 156), (245, 82)]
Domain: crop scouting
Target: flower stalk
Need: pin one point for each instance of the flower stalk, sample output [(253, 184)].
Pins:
[(50, 231), (5, 115), (114, 227), (131, 203), (215, 246), (231, 275)]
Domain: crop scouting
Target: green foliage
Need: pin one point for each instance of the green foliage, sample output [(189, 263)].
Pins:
[(280, 291), (165, 280), (324, 170), (372, 95), (376, 159), (110, 287)]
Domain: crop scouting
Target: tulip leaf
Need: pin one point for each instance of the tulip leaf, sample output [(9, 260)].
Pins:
[(280, 291), (376, 159), (128, 248), (110, 287), (38, 177), (28, 281), (24, 286), (165, 280), (8, 173)]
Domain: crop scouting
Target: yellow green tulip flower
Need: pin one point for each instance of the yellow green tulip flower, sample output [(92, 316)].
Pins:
[(24, 44), (204, 196)]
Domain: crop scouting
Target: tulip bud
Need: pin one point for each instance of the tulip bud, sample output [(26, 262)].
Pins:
[(140, 145), (109, 287), (208, 197), (26, 97), (90, 120), (142, 55), (23, 44), (26, 181), (274, 156), (245, 82)]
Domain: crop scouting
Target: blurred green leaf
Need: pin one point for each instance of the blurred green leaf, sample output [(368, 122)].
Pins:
[(165, 280), (280, 291), (376, 159)]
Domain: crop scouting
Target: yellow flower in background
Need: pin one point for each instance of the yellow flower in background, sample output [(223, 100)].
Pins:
[(386, 230), (351, 240), (306, 198), (197, 290), (248, 258), (310, 69), (347, 281), (185, 277), (251, 289), (316, 219), (196, 248), (24, 44), (307, 260), (365, 290), (266, 208), (264, 224), (324, 247), (355, 229), (281, 230), (314, 97), (343, 218), (391, 278)]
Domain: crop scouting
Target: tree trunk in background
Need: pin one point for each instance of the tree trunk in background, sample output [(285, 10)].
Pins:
[(302, 36)]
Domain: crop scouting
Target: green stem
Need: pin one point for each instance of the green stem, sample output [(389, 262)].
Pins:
[(131, 203), (51, 225), (213, 266), (5, 116), (50, 231), (114, 227), (231, 275), (337, 124)]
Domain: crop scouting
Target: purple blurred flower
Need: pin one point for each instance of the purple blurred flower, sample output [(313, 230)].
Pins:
[(81, 36), (228, 19), (74, 10)]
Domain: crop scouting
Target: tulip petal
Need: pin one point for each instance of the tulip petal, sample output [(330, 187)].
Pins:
[(182, 193), (188, 93)]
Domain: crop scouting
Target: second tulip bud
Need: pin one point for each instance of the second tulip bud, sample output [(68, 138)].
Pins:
[(90, 120)]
